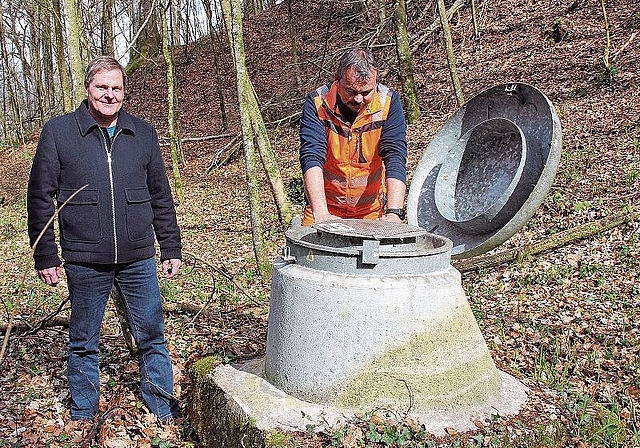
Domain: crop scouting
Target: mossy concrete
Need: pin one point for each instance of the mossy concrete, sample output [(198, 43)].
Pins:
[(233, 406), (219, 421), (446, 369)]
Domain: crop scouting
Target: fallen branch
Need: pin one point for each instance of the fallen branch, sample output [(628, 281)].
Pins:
[(633, 36), (225, 153), (435, 25), (164, 140), (551, 242), (25, 328)]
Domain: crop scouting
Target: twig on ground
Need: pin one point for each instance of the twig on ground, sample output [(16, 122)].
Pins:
[(225, 274)]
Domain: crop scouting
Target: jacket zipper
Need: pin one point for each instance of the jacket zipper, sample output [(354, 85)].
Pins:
[(113, 200)]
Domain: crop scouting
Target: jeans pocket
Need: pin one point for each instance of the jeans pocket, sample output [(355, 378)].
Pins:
[(139, 213), (80, 216)]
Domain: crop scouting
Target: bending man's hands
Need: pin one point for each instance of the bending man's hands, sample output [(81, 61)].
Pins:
[(171, 267), (51, 276)]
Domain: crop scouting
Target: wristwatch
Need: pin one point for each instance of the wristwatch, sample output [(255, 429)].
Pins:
[(396, 211)]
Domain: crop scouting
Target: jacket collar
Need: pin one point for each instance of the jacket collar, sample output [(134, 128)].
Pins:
[(86, 122)]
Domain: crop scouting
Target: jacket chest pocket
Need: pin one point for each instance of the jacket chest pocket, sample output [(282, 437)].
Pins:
[(80, 215), (139, 213)]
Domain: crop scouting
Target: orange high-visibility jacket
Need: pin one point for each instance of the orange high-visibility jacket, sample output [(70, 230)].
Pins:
[(354, 172)]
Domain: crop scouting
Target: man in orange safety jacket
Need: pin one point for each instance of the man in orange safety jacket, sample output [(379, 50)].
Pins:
[(353, 147)]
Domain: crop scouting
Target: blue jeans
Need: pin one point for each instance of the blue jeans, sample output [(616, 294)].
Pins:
[(89, 289)]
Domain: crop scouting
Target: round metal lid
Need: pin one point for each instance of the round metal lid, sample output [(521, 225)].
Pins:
[(369, 229), (495, 183), (371, 246)]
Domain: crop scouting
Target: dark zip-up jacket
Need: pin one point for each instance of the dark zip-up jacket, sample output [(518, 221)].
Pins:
[(126, 202)]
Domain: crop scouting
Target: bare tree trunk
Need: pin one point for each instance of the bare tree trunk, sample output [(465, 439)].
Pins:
[(35, 12), (216, 63), (72, 12), (16, 129), (149, 42), (172, 102), (233, 18), (65, 83), (474, 17), (409, 93), (451, 57), (106, 43), (294, 48), (47, 65)]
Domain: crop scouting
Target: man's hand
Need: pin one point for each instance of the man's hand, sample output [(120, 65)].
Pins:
[(171, 267), (320, 217), (51, 276)]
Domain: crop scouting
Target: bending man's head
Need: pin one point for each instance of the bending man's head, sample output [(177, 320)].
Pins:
[(357, 78)]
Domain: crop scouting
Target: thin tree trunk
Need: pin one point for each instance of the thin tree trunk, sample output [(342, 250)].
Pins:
[(474, 17), (148, 41), (216, 63), (233, 19), (72, 12), (9, 79), (409, 93), (107, 28), (172, 101), (268, 158), (65, 83), (47, 66), (37, 59), (294, 48), (451, 57)]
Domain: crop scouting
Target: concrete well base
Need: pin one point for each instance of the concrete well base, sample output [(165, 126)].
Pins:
[(241, 405)]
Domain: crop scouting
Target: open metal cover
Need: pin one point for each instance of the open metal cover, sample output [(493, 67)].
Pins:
[(487, 169)]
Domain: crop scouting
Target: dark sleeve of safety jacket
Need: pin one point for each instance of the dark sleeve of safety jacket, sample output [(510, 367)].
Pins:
[(313, 137), (42, 188), (393, 141), (165, 222)]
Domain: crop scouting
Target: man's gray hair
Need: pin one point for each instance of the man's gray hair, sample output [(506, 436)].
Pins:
[(360, 60), (103, 63)]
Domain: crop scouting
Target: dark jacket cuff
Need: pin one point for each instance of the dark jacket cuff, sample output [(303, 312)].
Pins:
[(170, 254), (47, 261)]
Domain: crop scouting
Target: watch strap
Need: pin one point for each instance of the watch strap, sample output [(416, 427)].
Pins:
[(396, 211)]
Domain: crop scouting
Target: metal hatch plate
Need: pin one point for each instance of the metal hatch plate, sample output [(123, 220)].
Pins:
[(369, 229)]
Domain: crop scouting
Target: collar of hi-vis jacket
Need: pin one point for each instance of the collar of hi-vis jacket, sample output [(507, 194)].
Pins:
[(329, 98)]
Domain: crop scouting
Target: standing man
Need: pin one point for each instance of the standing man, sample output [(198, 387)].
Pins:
[(106, 232), (353, 146)]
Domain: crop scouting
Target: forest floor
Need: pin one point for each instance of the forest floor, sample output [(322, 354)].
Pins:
[(566, 322)]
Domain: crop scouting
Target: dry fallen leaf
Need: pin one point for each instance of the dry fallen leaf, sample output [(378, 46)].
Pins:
[(451, 431), (377, 420)]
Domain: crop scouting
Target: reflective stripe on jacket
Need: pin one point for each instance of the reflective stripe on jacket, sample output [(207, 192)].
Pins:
[(354, 172)]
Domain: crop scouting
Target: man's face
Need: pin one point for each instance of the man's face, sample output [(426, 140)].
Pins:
[(355, 92), (105, 94)]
